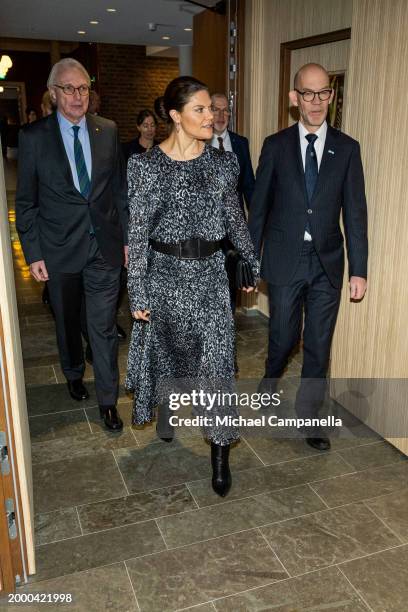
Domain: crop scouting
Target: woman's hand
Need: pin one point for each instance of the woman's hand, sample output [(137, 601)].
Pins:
[(248, 289), (141, 315)]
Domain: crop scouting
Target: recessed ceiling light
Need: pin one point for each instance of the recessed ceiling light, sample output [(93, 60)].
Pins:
[(94, 22), (188, 29), (81, 32), (111, 10), (166, 38)]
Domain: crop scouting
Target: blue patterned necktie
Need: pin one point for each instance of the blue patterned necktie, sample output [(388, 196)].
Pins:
[(311, 168), (83, 178)]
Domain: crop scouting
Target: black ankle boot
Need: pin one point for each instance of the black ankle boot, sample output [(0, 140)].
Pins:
[(221, 479)]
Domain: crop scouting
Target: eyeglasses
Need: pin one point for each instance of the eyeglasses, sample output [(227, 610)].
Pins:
[(69, 90), (224, 111), (309, 96)]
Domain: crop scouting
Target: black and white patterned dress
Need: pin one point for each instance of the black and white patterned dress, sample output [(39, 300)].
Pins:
[(191, 330)]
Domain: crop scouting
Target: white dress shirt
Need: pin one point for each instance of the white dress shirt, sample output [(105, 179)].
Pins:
[(318, 146), (226, 140)]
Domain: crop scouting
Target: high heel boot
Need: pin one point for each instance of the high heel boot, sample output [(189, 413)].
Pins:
[(221, 479)]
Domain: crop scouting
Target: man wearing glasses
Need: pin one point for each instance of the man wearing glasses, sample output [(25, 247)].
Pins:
[(71, 216), (226, 140), (308, 175)]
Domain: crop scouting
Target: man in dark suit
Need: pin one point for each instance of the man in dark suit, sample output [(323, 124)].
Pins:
[(226, 140), (308, 175), (71, 216)]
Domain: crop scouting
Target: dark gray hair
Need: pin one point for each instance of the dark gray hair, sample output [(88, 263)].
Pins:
[(66, 64)]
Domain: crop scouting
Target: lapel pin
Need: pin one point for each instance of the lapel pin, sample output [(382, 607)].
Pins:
[(96, 129), (330, 151)]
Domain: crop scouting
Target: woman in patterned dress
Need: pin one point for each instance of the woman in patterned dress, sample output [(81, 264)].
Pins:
[(183, 201)]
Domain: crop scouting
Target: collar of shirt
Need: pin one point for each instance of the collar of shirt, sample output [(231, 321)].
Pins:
[(319, 143), (66, 125), (226, 138)]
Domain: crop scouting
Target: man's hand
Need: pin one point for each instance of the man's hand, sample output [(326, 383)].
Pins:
[(141, 315), (39, 270), (126, 252), (358, 287)]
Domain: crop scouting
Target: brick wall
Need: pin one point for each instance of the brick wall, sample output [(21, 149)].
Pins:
[(129, 82)]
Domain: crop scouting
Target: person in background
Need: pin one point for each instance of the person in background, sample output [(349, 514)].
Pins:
[(146, 124), (31, 115), (71, 217), (94, 107), (226, 140), (308, 175), (47, 106)]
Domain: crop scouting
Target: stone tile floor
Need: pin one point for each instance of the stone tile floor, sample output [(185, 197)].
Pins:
[(126, 522)]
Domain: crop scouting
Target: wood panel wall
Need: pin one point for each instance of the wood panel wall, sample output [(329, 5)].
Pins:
[(210, 38), (371, 338)]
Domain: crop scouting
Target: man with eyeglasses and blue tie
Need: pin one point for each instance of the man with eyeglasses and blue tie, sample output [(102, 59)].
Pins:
[(71, 216), (308, 176)]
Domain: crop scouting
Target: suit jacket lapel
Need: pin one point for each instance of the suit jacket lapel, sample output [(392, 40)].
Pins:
[(94, 132), (295, 154), (60, 149), (328, 159)]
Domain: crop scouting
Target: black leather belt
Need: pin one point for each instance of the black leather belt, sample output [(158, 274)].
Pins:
[(196, 248)]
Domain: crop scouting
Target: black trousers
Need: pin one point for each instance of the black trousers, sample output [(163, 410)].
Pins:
[(98, 285), (309, 294)]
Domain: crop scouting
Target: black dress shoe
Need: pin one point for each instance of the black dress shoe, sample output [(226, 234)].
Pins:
[(121, 332), (319, 443), (110, 417), (89, 354), (221, 478), (163, 438), (77, 390)]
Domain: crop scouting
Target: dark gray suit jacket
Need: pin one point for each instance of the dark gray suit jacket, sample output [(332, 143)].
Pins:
[(280, 209), (52, 217)]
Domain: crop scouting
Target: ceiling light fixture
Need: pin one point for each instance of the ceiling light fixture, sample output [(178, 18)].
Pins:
[(166, 38), (94, 22), (188, 29), (111, 10), (81, 32)]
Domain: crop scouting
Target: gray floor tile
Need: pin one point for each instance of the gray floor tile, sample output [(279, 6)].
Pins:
[(81, 480), (372, 455), (97, 549), (104, 588), (134, 508), (393, 510), (272, 450), (59, 425), (58, 525), (328, 537), (83, 443), (274, 477), (321, 590), (239, 515), (363, 485), (160, 465), (382, 579), (41, 375), (198, 573), (48, 399)]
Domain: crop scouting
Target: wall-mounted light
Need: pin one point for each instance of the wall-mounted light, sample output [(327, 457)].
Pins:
[(1, 89), (5, 64)]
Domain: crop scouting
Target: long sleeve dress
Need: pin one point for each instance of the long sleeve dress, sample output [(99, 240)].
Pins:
[(190, 334)]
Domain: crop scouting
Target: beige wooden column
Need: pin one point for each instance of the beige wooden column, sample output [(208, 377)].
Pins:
[(371, 339)]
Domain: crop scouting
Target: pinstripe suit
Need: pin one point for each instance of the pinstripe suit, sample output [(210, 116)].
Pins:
[(301, 276)]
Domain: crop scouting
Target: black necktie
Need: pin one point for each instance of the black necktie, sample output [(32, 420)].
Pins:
[(221, 144), (311, 168), (83, 178)]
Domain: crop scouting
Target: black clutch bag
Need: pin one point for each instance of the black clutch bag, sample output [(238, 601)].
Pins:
[(238, 269)]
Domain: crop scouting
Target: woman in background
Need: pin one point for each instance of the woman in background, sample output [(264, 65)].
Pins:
[(146, 124), (183, 201)]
